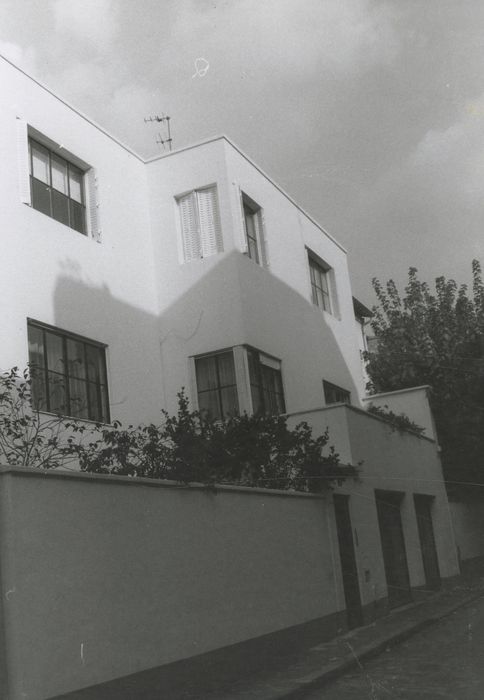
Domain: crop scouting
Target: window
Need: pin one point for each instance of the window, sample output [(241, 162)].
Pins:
[(319, 273), (254, 230), (57, 187), (265, 384), (335, 394), (200, 223), (217, 385), (68, 374)]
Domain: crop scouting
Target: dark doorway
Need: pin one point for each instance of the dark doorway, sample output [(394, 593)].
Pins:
[(349, 570), (423, 510), (393, 546)]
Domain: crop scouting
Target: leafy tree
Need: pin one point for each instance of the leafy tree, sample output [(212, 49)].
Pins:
[(436, 337)]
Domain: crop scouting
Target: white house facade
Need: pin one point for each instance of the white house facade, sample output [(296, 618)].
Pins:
[(125, 280)]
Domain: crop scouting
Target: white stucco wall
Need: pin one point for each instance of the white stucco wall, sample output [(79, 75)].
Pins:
[(389, 460), (413, 402), (53, 274), (227, 299)]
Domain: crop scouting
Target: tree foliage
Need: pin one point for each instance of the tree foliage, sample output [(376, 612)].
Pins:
[(189, 447), (28, 438), (254, 451), (436, 337)]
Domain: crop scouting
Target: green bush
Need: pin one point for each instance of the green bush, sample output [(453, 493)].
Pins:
[(189, 447)]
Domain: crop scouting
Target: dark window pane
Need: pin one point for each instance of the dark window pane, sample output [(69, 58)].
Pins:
[(55, 352), (95, 363), (75, 359), (104, 414), (230, 403), (40, 196), (206, 370), (36, 348), (77, 216), (60, 207), (208, 401), (57, 393), (226, 368), (79, 406)]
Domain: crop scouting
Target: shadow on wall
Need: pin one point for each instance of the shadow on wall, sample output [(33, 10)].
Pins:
[(236, 302)]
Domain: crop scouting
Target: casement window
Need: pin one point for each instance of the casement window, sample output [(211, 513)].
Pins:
[(335, 394), (68, 374), (200, 223), (57, 187), (57, 183), (239, 380), (217, 385), (254, 230), (320, 283), (265, 383)]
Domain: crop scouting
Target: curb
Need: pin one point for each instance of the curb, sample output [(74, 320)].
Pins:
[(333, 671)]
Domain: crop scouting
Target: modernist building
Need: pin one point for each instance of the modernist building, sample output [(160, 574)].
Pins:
[(125, 280)]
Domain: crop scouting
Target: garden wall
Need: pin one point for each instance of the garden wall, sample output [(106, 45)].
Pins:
[(106, 576)]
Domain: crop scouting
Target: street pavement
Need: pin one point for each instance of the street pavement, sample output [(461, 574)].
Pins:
[(445, 660)]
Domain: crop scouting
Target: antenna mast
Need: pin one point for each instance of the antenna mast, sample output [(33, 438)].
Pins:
[(164, 119)]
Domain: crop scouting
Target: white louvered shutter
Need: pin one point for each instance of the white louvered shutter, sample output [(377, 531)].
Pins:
[(210, 229), (261, 237), (93, 205), (189, 227), (23, 168)]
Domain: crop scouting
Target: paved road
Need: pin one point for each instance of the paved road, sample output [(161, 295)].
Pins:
[(444, 661)]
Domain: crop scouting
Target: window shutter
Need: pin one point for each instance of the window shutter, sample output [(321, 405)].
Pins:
[(261, 237), (240, 208), (23, 168), (210, 229), (93, 205), (189, 227)]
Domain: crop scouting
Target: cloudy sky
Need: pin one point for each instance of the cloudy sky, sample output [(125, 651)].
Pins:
[(369, 113)]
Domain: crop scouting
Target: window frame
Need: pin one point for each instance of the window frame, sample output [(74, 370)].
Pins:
[(265, 373), (251, 211), (34, 142), (100, 387), (320, 272), (185, 254), (330, 387), (218, 390)]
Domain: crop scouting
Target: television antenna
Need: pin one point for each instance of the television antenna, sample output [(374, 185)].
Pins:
[(164, 119)]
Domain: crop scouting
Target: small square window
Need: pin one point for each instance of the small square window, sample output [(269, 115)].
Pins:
[(68, 374), (57, 187)]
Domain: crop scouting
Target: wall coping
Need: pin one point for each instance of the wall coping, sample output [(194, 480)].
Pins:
[(118, 480), (396, 391), (364, 412)]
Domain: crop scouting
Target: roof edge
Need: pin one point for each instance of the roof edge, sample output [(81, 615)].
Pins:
[(73, 109), (224, 137)]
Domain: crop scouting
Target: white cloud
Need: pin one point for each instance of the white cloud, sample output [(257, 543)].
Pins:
[(89, 20), (289, 36)]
